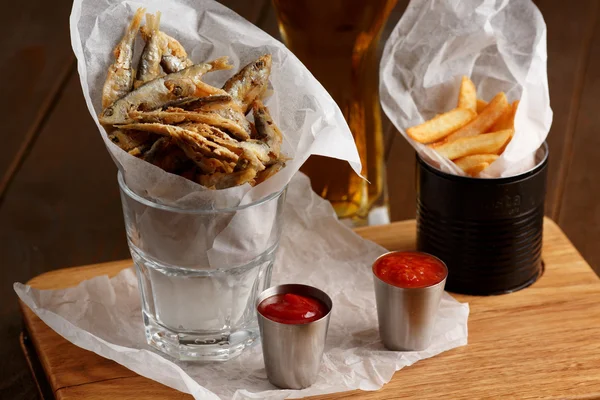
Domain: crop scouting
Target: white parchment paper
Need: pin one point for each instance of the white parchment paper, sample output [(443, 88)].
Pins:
[(103, 315), (499, 44), (310, 120)]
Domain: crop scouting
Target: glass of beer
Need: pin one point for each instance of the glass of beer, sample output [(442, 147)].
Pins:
[(337, 40)]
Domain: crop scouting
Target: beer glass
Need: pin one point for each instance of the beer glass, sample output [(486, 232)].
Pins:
[(337, 40)]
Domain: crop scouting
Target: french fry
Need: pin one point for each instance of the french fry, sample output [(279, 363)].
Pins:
[(481, 104), (467, 95), (469, 162), (507, 120), (483, 122), (489, 143), (499, 152), (441, 125), (476, 169)]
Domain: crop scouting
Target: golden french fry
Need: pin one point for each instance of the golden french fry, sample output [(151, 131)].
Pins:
[(467, 96), (441, 125), (499, 152), (477, 168), (507, 120), (480, 144), (481, 104), (469, 162), (483, 121)]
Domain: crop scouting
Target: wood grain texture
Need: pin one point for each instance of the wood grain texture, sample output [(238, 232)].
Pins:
[(35, 61), (136, 388), (570, 31), (520, 362), (30, 358), (64, 212), (70, 365), (36, 56), (580, 210), (517, 345)]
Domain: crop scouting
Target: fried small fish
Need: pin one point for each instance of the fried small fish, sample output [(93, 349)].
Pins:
[(268, 172), (193, 143), (211, 165), (247, 150), (149, 66), (178, 115), (155, 94), (266, 130), (229, 110), (166, 155), (180, 123), (220, 180), (174, 56), (250, 82), (259, 149), (134, 142), (190, 103), (120, 76)]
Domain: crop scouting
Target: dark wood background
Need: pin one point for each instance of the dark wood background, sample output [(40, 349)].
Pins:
[(59, 202)]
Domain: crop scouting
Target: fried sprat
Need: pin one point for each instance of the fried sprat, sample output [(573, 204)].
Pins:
[(168, 116)]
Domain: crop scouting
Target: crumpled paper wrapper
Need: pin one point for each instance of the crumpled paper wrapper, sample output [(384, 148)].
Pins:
[(499, 44), (310, 120), (103, 315)]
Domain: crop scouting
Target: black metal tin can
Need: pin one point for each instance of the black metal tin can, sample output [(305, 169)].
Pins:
[(487, 231)]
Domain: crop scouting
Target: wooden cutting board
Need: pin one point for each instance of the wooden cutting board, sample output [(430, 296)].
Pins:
[(540, 342)]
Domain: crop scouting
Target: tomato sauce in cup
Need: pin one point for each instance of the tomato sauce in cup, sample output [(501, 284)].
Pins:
[(410, 269), (292, 309)]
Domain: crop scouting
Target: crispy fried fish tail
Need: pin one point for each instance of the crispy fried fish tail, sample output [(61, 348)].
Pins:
[(266, 130)]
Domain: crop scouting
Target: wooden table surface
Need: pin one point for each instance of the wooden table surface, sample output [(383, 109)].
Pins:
[(540, 342)]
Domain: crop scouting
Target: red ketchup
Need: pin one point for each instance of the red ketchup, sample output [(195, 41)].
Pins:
[(409, 269), (292, 309)]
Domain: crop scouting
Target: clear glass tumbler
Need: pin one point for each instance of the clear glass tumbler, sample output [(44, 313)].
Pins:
[(200, 272)]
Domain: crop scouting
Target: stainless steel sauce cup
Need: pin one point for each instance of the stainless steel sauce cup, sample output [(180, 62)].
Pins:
[(407, 315), (293, 353)]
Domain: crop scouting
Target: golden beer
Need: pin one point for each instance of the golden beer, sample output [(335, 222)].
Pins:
[(337, 41)]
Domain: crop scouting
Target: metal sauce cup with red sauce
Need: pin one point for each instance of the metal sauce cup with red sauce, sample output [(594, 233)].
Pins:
[(408, 289), (293, 321)]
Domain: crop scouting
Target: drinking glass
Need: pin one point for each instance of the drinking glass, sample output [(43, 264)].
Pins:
[(338, 41), (200, 272)]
